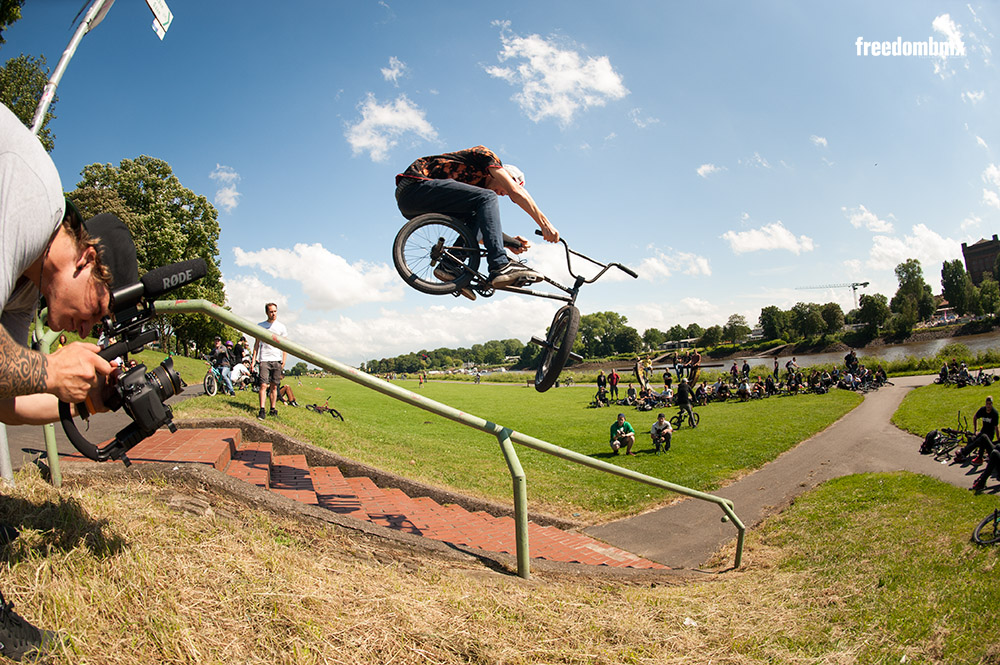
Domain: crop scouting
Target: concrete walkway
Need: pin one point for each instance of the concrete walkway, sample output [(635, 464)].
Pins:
[(686, 533)]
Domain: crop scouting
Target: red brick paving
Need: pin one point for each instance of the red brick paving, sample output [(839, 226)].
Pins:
[(359, 497)]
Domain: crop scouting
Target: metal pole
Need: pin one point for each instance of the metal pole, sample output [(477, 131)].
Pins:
[(93, 17), (6, 470), (520, 503), (386, 388), (45, 339)]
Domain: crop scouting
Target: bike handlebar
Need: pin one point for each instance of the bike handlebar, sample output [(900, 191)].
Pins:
[(626, 270)]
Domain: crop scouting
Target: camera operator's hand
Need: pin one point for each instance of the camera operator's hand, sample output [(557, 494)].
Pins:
[(96, 401), (74, 370)]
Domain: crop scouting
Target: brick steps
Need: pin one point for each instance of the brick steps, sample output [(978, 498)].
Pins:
[(360, 498)]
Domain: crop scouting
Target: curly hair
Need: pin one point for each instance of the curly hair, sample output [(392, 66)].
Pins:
[(72, 224)]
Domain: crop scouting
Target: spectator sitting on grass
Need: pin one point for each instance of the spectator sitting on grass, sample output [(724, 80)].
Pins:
[(757, 389), (286, 396), (668, 394), (622, 434), (743, 390), (769, 386), (661, 431), (630, 396), (601, 398), (701, 395)]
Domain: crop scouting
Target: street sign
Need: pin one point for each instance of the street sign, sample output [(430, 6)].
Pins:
[(162, 14)]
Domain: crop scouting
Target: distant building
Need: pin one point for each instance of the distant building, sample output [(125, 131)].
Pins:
[(980, 257)]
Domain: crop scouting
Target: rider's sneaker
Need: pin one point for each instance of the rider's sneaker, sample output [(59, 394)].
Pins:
[(18, 638), (261, 415), (445, 274), (513, 272), (294, 403)]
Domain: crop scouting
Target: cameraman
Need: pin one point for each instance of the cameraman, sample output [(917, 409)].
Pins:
[(48, 251)]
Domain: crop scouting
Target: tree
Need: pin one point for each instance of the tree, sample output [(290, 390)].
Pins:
[(652, 338), (833, 317), (912, 285), (10, 11), (598, 332), (736, 329), (627, 340), (711, 337), (807, 319), (774, 322), (298, 369), (694, 331), (22, 81), (989, 295), (169, 223), (676, 333), (873, 311), (955, 285)]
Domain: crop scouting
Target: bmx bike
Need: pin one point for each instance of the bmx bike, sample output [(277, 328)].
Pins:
[(988, 531), (325, 408), (681, 417), (433, 241)]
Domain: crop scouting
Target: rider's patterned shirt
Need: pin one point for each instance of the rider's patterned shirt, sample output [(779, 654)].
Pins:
[(469, 166)]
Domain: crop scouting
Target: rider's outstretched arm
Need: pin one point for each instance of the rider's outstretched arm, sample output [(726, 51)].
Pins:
[(522, 198)]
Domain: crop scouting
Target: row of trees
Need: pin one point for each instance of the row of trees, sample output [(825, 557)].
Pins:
[(490, 353)]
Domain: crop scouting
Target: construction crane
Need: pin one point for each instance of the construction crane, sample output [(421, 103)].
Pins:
[(851, 285)]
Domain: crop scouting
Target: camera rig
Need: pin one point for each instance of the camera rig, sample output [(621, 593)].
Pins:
[(142, 394)]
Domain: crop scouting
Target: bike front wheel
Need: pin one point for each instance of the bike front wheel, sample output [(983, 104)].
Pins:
[(557, 347), (336, 414), (435, 254), (210, 384), (988, 531)]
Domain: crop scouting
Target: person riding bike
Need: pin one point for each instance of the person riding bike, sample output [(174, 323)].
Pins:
[(466, 185)]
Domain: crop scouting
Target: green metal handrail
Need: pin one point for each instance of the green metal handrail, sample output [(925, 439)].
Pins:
[(504, 435)]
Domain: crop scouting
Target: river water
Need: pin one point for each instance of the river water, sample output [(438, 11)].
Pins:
[(975, 344)]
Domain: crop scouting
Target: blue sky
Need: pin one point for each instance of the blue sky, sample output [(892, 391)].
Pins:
[(728, 152)]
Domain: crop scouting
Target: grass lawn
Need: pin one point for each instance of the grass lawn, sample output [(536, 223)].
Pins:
[(936, 406), (865, 569), (733, 438)]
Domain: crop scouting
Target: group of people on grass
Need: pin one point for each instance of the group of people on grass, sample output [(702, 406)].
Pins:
[(982, 444)]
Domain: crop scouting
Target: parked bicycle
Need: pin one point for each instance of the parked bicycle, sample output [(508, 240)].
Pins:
[(942, 443), (433, 241), (326, 408), (988, 531)]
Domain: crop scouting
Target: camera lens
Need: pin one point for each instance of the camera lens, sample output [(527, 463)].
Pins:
[(165, 380)]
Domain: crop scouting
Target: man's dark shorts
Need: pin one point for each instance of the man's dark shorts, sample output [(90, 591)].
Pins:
[(270, 372)]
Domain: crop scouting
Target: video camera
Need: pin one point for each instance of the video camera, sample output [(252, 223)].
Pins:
[(142, 394)]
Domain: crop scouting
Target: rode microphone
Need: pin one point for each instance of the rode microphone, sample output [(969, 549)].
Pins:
[(158, 281)]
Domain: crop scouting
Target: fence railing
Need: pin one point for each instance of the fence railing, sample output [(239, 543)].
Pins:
[(504, 435)]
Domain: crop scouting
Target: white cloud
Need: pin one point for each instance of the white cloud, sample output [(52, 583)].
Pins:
[(247, 295), (706, 170), (973, 96), (991, 198), (861, 216), (756, 161), (684, 312), (766, 238), (929, 247), (396, 69), (641, 122), (981, 142), (226, 197), (554, 82), (327, 280), (971, 222), (451, 325), (382, 125), (664, 263), (991, 175), (951, 31), (818, 141)]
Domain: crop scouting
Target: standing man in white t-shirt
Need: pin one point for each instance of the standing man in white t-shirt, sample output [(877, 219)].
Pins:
[(271, 358)]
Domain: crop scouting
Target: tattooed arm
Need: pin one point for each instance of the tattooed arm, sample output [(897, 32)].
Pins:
[(69, 374)]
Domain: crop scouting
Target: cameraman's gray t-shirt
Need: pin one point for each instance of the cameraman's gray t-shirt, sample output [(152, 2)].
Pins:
[(31, 208)]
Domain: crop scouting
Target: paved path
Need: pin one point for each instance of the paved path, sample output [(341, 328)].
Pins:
[(687, 533)]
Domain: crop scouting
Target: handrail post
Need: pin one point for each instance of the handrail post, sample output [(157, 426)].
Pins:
[(45, 339), (520, 484)]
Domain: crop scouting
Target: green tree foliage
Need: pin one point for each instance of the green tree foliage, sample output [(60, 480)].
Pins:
[(652, 338), (989, 295), (693, 331), (955, 283), (807, 319), (774, 323), (873, 311), (298, 369), (833, 317), (606, 333), (736, 329), (676, 333), (912, 286), (22, 81), (169, 223), (711, 337), (10, 11)]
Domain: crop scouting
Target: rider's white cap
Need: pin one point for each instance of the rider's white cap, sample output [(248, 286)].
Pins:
[(515, 173)]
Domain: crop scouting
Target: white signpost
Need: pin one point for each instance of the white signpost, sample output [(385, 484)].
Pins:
[(162, 17)]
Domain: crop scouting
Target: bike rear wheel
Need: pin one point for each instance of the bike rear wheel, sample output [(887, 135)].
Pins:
[(432, 241), (557, 347), (210, 384), (988, 531)]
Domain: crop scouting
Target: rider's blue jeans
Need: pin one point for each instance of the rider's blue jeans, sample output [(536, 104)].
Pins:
[(227, 383), (476, 206)]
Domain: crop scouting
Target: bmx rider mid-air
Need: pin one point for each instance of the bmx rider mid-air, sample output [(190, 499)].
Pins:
[(466, 184)]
